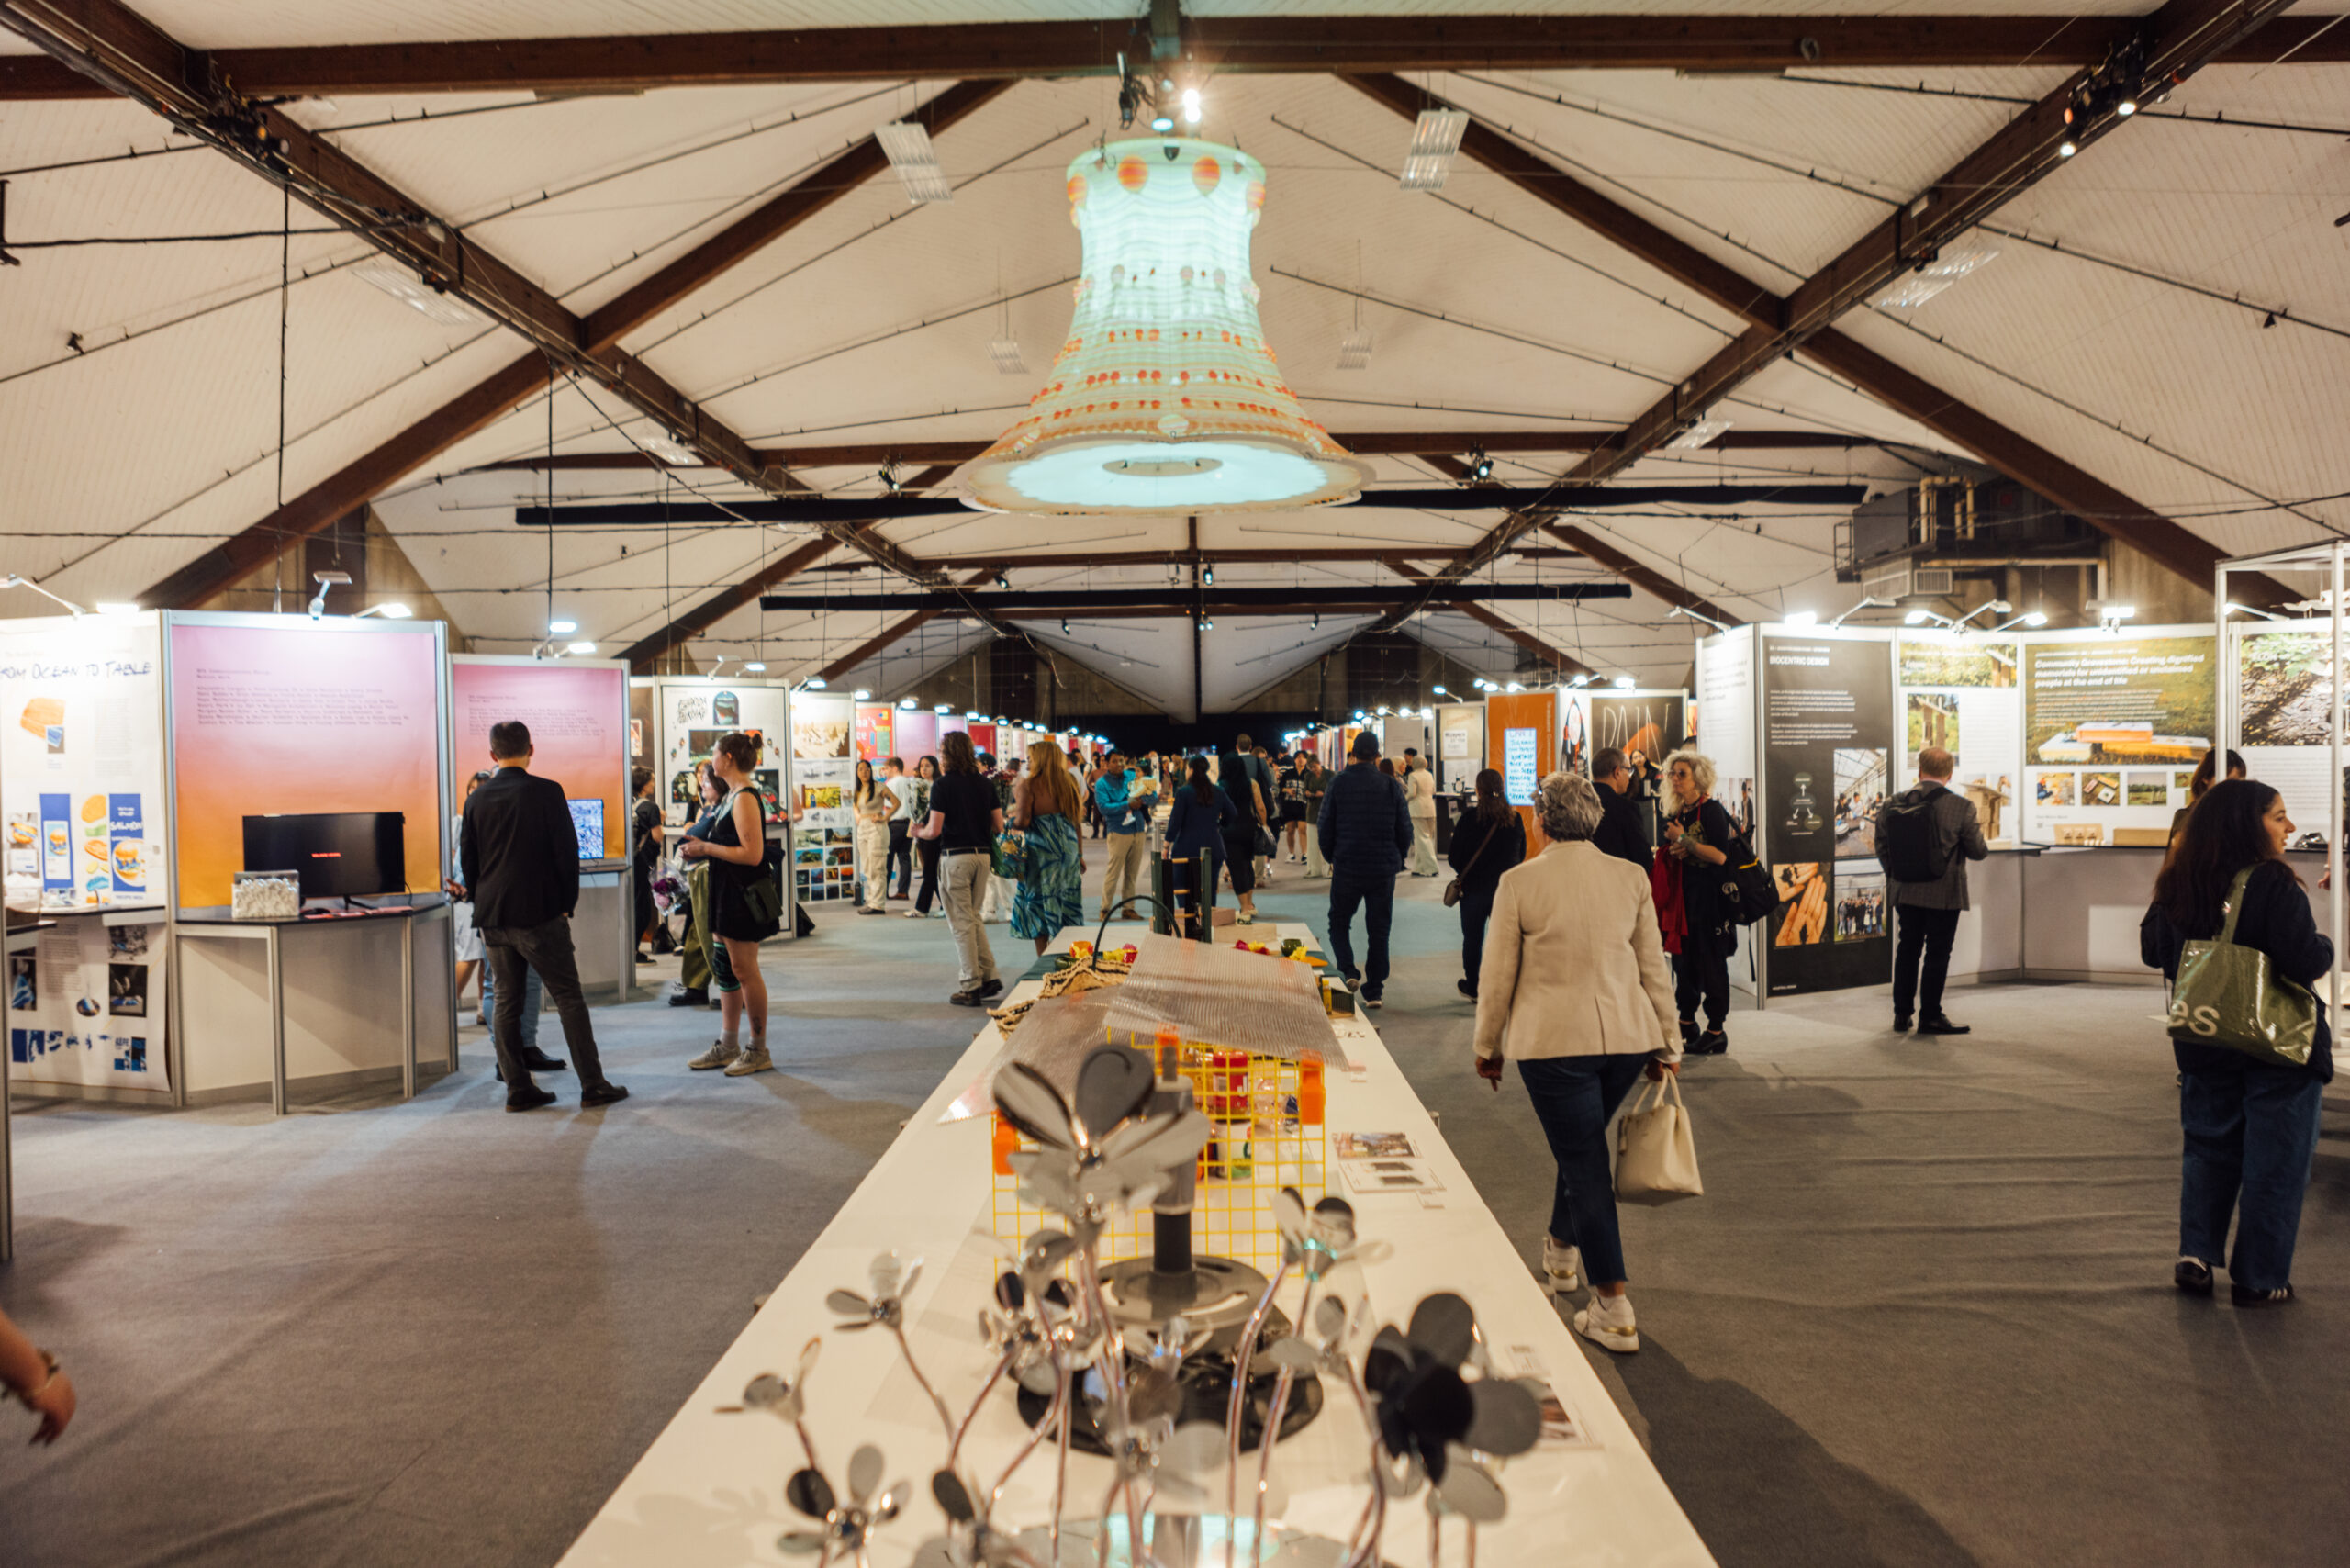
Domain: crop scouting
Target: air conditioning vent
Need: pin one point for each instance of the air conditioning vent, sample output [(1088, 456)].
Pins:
[(1935, 581), (1887, 582)]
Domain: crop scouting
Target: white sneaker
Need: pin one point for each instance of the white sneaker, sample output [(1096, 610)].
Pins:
[(1561, 1265), (1608, 1323), (719, 1054)]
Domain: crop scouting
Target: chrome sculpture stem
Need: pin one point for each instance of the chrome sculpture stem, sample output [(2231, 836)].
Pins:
[(807, 1443), (955, 1442), (1243, 1351), (1435, 1535), (1114, 1367), (1472, 1543), (1366, 1550), (1102, 1536), (945, 1419), (1058, 1408), (1274, 1414)]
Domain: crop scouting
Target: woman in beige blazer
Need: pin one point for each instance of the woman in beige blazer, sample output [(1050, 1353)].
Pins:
[(1574, 989)]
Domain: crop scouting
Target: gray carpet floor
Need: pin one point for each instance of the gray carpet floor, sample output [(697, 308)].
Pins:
[(1922, 1315)]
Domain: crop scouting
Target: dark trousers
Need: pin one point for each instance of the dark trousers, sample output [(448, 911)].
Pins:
[(1701, 979), (1574, 1097), (1376, 896), (1926, 931), (902, 858), (2251, 1142), (927, 848), (547, 949), (640, 881), (1476, 908)]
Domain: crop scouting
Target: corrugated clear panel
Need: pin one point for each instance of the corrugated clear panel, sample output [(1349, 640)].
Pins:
[(1219, 995)]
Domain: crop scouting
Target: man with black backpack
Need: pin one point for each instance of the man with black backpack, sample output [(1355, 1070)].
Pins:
[(1925, 837)]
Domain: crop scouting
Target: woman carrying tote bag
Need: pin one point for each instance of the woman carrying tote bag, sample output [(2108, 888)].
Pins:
[(1576, 990), (1488, 841), (2248, 1110)]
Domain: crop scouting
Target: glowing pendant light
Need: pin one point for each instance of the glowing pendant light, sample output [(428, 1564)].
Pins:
[(1165, 399)]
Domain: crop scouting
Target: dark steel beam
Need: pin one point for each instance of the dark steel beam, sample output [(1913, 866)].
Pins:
[(1564, 663), (1073, 601), (894, 632), (827, 509), (1008, 50), (1641, 575)]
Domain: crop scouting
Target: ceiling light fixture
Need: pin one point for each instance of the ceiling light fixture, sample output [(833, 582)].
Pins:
[(1800, 618), (1354, 350), (1928, 278), (1191, 106), (755, 667), (121, 607), (1481, 467), (1699, 433), (1005, 352), (815, 683), (579, 648), (907, 146), (326, 580), (908, 703), (1165, 397), (1684, 610), (861, 694), (1623, 683), (432, 303), (1868, 604), (18, 580), (2029, 618), (561, 628), (669, 450), (395, 610), (1436, 138), (2232, 609)]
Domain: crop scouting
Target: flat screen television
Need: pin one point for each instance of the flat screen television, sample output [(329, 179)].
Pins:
[(588, 827), (335, 854)]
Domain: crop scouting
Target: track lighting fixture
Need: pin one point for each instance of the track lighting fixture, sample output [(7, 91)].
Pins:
[(2029, 618), (1870, 602), (1207, 577), (1481, 467), (335, 579), (1002, 582), (1685, 611), (888, 478), (18, 580)]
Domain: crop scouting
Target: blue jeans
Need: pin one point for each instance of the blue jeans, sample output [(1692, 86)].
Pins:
[(1574, 1098), (2251, 1141), (532, 993), (1376, 896)]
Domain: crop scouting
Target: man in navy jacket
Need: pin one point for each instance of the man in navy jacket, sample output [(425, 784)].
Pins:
[(1365, 832)]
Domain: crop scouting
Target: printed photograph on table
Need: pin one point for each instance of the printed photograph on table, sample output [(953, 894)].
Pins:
[(2055, 789)]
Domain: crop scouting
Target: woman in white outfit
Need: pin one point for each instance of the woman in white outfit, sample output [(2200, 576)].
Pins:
[(875, 802)]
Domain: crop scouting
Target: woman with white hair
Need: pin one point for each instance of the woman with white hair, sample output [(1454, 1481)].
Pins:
[(1572, 988), (1697, 834)]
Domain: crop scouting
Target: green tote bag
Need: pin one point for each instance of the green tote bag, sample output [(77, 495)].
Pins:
[(2227, 995)]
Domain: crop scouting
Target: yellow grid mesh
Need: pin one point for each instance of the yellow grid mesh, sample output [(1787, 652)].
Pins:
[(1269, 1119)]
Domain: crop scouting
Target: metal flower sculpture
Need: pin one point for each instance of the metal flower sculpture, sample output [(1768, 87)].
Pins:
[(1093, 1161), (893, 1280), (787, 1400), (845, 1525), (971, 1539), (1432, 1422)]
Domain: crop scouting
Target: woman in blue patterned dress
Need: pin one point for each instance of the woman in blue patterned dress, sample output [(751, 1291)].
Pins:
[(1045, 804)]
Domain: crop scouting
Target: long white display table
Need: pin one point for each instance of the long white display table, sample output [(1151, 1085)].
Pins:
[(709, 1491)]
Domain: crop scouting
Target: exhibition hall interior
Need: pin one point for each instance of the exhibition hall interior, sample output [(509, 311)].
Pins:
[(1173, 783)]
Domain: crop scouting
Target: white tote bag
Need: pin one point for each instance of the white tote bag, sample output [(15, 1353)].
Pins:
[(1656, 1159)]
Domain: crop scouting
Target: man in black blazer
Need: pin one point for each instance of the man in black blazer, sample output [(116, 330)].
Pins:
[(520, 859), (1620, 831)]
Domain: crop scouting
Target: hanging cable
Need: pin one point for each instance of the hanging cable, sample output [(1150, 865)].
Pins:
[(284, 303)]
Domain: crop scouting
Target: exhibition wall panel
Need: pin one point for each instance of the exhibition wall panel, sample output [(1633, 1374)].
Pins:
[(1645, 723), (81, 797), (1460, 745), (823, 838), (2113, 728), (577, 714), (272, 714), (915, 736), (2282, 697), (876, 731), (1826, 758), (693, 711), (1521, 738), (1721, 725), (1965, 695)]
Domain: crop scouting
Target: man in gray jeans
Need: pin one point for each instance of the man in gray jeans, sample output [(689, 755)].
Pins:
[(1928, 910), (965, 817)]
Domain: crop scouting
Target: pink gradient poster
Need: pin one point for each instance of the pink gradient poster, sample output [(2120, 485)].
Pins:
[(917, 735), (296, 717), (577, 737)]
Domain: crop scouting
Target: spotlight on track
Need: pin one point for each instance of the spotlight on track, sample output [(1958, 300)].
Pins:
[(1481, 467), (327, 580)]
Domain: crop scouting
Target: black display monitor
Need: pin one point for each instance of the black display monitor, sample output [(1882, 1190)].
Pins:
[(337, 854)]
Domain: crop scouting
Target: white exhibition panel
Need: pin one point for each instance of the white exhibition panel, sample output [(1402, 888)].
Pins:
[(709, 1490)]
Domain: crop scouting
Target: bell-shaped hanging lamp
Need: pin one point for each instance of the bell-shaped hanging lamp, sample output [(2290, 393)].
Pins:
[(1165, 398)]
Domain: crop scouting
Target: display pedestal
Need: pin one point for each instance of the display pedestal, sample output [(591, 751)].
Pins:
[(329, 1004), (602, 936)]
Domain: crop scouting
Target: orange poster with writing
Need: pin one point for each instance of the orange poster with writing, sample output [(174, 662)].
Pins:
[(1522, 741), (577, 735), (300, 716)]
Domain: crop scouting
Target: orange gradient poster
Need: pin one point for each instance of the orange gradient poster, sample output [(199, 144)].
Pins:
[(295, 717), (578, 736)]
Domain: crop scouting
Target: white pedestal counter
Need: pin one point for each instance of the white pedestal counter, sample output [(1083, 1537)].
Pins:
[(709, 1491)]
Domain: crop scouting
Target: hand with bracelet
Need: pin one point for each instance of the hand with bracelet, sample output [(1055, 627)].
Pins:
[(34, 1377)]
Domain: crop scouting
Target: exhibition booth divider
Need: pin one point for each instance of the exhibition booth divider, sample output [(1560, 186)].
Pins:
[(150, 758), (675, 721), (2077, 748)]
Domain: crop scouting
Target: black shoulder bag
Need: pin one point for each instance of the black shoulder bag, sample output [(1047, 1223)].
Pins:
[(1453, 890)]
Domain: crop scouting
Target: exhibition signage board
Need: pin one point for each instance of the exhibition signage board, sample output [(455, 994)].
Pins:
[(694, 713), (578, 714), (1460, 744), (2282, 700), (875, 723), (913, 737), (279, 714), (1645, 724), (1521, 735), (1964, 694), (1826, 744), (2113, 728), (82, 770), (823, 775)]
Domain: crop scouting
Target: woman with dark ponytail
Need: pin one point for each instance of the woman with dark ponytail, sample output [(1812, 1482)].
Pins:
[(1490, 840), (1197, 826), (2251, 1125)]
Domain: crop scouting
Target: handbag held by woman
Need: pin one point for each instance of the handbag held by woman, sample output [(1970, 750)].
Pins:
[(2227, 994), (1656, 1159), (1453, 890)]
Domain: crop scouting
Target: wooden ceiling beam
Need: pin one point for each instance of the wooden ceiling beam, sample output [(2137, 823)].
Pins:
[(1646, 578), (116, 48), (894, 632), (1011, 51), (2182, 37), (1565, 663), (646, 653)]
